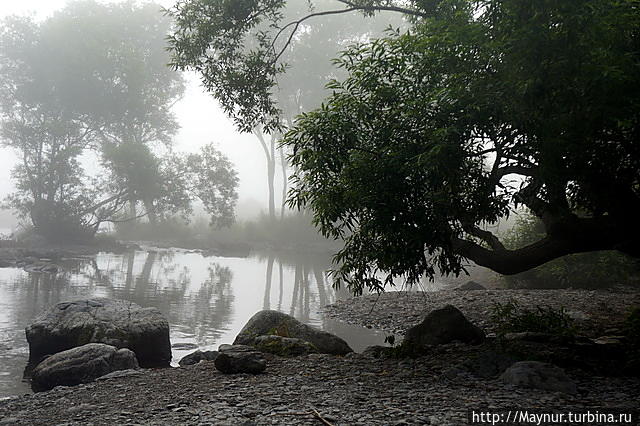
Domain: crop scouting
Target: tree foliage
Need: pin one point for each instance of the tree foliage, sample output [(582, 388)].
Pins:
[(480, 108), (252, 54), (92, 81)]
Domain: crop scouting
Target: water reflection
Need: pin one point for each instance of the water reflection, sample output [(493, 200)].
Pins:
[(207, 300)]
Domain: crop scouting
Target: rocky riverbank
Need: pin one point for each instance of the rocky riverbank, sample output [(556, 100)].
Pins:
[(595, 312), (438, 387), (352, 390)]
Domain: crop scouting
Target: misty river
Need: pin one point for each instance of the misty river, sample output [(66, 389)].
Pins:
[(207, 300)]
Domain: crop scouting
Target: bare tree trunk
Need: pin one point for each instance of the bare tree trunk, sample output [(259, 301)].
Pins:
[(269, 152), (285, 181), (271, 173), (151, 212)]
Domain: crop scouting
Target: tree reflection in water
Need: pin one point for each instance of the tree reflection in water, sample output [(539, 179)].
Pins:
[(166, 283), (306, 269)]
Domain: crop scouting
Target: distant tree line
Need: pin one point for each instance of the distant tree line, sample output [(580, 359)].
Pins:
[(91, 85)]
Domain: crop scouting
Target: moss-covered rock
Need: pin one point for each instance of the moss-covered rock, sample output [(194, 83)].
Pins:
[(284, 346), (279, 324)]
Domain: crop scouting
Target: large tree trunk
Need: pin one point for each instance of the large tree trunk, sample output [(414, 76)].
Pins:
[(566, 236)]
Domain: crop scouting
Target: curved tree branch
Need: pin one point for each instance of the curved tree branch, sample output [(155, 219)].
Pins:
[(352, 7), (515, 169), (572, 235), (403, 10), (296, 25)]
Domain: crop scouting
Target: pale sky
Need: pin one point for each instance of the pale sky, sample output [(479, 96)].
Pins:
[(200, 117)]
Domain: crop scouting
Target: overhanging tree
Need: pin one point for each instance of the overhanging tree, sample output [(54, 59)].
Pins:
[(482, 107)]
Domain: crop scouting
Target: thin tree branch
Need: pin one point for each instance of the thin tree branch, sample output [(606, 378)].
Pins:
[(93, 208), (352, 8), (296, 25), (403, 10)]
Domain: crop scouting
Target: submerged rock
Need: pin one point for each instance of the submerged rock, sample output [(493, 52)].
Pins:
[(233, 359), (81, 365), (184, 346), (284, 346), (538, 375), (277, 323), (114, 322), (197, 356), (442, 326)]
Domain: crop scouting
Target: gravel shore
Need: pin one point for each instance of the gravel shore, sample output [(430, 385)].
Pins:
[(595, 312), (350, 390)]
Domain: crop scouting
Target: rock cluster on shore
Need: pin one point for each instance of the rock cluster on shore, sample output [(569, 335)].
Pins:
[(118, 323), (437, 385)]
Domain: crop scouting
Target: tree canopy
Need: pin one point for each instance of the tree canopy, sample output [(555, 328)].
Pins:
[(93, 81), (480, 108)]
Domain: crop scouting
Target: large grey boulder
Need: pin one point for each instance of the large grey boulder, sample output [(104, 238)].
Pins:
[(277, 323), (538, 375), (81, 365), (118, 323), (284, 346), (233, 359), (442, 326)]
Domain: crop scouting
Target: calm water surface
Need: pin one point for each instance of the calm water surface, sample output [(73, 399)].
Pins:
[(207, 300)]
